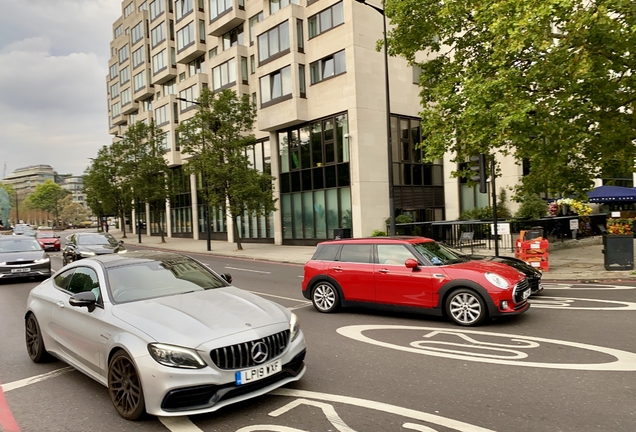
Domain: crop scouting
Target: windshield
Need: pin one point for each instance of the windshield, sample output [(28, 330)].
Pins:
[(45, 235), (438, 254), (97, 240), (159, 279), (21, 245)]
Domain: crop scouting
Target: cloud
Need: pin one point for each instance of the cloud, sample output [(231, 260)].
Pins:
[(54, 58)]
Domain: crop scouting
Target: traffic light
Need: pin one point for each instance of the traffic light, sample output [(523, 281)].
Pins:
[(479, 172)]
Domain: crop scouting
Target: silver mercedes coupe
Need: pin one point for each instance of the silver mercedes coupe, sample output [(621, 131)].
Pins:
[(165, 334)]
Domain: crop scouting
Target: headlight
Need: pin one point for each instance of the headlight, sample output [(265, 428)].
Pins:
[(122, 251), (497, 280), (174, 356), (294, 327), (43, 260), (83, 253)]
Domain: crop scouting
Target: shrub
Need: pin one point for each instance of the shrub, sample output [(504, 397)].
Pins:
[(378, 233), (532, 207)]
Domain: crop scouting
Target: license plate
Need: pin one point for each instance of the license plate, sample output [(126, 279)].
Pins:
[(258, 373), (526, 294), (21, 270)]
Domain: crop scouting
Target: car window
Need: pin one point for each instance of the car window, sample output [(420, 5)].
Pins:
[(159, 279), (20, 245), (85, 279), (64, 278), (393, 254), (359, 253), (438, 254), (97, 240), (326, 252), (45, 234)]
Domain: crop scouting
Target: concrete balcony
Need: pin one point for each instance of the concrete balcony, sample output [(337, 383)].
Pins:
[(129, 108), (288, 112), (227, 21), (143, 93), (164, 75), (120, 120), (189, 53)]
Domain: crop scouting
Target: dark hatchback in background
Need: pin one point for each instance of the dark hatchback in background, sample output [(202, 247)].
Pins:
[(22, 256), (86, 245)]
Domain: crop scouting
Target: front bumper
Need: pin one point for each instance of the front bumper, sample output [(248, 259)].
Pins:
[(34, 270), (181, 392), (512, 309)]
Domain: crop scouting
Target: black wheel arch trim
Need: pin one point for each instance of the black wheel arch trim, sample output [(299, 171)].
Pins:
[(465, 283), (321, 278)]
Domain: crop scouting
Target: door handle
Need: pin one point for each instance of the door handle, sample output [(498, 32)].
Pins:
[(60, 304), (336, 268), (383, 271)]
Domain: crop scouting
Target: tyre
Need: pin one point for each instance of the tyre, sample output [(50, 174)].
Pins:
[(325, 297), (466, 308), (34, 342), (124, 387)]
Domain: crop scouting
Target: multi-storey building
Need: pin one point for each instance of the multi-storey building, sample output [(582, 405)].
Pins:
[(313, 72), (25, 180), (75, 185)]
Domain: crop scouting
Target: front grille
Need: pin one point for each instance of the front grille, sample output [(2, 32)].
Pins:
[(239, 356), (517, 294), (535, 283), (19, 263)]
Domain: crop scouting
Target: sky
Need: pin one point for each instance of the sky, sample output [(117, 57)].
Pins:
[(53, 65)]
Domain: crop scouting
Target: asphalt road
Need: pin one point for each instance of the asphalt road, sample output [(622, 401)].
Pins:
[(567, 365)]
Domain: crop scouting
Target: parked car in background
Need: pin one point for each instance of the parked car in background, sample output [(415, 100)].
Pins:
[(413, 274), (181, 339), (44, 228), (532, 274), (86, 245), (48, 240), (22, 256), (19, 229)]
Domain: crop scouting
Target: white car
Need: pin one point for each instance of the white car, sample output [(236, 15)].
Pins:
[(164, 333)]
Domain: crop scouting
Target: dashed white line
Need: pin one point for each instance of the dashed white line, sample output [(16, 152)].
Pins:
[(279, 297), (36, 379), (179, 424)]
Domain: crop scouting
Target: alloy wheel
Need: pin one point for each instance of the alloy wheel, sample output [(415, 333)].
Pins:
[(325, 297), (32, 337), (124, 387), (466, 308)]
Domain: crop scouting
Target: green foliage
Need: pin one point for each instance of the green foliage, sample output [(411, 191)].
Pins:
[(400, 219), (217, 138), (378, 233), (551, 82), (48, 197), (486, 213), (72, 213), (532, 207)]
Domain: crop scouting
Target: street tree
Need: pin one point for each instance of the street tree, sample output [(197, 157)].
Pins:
[(551, 82), (48, 197), (144, 168), (105, 186), (216, 139), (72, 213)]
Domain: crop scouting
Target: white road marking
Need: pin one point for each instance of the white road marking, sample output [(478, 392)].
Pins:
[(583, 287), (248, 270), (35, 379), (624, 360), (327, 409), (542, 302), (179, 424), (300, 306), (417, 427), (383, 407), (280, 297)]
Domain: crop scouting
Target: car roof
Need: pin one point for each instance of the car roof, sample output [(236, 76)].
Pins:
[(137, 257), (15, 238), (381, 240)]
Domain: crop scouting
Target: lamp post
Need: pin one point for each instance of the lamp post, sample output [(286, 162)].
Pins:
[(388, 116), (137, 221), (206, 208)]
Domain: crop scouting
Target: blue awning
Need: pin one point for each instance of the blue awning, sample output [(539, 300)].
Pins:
[(605, 194)]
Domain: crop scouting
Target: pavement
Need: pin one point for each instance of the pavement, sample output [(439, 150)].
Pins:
[(571, 260)]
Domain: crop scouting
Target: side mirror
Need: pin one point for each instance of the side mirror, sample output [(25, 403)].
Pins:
[(411, 263), (82, 299), (121, 242), (227, 277)]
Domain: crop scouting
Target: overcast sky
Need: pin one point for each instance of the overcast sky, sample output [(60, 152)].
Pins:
[(53, 65)]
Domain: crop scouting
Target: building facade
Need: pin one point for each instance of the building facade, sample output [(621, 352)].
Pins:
[(75, 185), (25, 180), (313, 72)]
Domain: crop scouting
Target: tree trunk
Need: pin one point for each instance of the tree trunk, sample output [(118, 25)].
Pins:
[(122, 218), (237, 238), (160, 227)]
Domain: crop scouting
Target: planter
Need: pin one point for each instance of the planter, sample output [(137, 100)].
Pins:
[(619, 252)]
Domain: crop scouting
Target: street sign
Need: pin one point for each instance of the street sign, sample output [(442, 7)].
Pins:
[(574, 224), (502, 228)]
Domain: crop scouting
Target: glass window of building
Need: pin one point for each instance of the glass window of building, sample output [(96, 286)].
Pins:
[(130, 8), (224, 75), (139, 81), (124, 75), (301, 81), (158, 34), (182, 8), (299, 35), (273, 42), (123, 54), (115, 109), (255, 19), (114, 90), (202, 31), (143, 6), (197, 66), (328, 67), (190, 94), (327, 19), (159, 62), (138, 57), (276, 5), (162, 115), (137, 32), (114, 71), (170, 87), (233, 37), (244, 74), (157, 9), (212, 53), (125, 97), (276, 86), (185, 36), (118, 31), (219, 7)]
